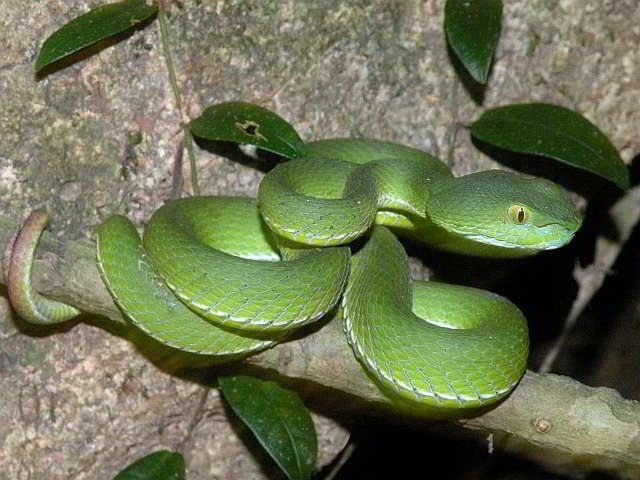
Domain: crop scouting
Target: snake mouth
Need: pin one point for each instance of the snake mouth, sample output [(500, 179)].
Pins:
[(560, 234), (559, 244), (544, 237), (562, 241), (554, 236)]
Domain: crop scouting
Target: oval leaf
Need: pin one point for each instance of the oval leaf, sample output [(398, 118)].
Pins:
[(250, 124), (555, 132), (473, 30), (278, 419), (160, 465), (96, 25)]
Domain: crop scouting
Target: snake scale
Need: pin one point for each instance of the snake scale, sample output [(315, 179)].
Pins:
[(228, 276)]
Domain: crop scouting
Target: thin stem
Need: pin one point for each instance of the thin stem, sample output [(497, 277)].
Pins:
[(188, 143), (345, 455), (166, 51), (550, 358)]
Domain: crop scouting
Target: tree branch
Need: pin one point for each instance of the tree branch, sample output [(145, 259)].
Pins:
[(551, 418)]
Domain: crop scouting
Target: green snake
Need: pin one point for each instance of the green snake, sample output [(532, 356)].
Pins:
[(228, 276)]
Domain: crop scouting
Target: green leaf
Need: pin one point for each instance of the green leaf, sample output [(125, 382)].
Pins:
[(278, 419), (250, 124), (555, 132), (473, 30), (160, 465), (96, 25)]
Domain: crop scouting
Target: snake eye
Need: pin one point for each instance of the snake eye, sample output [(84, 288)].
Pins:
[(518, 214)]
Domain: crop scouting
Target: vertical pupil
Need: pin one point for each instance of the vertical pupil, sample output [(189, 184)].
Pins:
[(520, 215)]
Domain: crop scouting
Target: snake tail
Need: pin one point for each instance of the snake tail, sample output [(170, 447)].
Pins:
[(18, 264)]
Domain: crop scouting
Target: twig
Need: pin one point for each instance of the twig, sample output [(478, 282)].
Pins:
[(625, 214), (184, 121), (589, 281), (195, 419), (344, 457), (177, 179)]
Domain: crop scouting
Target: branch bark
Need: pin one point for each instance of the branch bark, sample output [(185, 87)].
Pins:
[(550, 418)]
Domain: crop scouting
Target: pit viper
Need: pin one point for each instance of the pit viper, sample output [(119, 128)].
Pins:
[(228, 276)]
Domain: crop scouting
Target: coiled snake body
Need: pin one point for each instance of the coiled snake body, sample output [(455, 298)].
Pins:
[(228, 276)]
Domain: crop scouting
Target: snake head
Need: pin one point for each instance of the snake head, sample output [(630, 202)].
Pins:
[(505, 211)]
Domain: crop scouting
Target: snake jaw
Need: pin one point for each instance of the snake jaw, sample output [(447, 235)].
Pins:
[(558, 239), (567, 238)]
